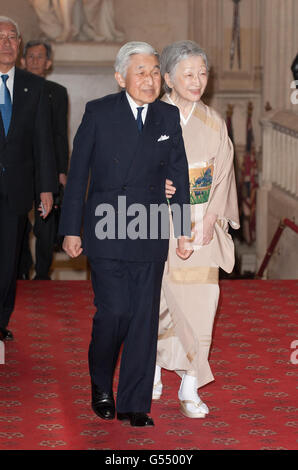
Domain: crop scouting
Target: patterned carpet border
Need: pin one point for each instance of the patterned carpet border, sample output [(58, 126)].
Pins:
[(45, 386)]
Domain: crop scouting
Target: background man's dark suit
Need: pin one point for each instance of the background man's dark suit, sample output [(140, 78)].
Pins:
[(27, 167), (124, 162), (46, 230), (59, 111)]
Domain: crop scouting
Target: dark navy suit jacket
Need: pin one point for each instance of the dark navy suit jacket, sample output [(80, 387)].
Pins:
[(123, 162), (27, 161)]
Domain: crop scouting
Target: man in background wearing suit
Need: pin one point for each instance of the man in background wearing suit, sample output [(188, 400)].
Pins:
[(130, 142), (37, 59), (27, 164)]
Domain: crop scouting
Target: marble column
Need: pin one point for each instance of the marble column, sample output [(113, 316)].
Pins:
[(83, 83), (207, 29), (280, 46)]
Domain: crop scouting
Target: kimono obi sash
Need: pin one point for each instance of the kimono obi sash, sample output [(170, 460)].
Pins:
[(200, 180)]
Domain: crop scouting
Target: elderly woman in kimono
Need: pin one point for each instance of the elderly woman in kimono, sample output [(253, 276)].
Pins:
[(190, 288)]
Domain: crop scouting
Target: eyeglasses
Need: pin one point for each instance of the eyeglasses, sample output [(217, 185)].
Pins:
[(9, 37)]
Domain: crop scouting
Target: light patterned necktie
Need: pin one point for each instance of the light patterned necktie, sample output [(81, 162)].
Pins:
[(5, 104)]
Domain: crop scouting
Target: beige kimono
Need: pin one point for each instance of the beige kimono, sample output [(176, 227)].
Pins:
[(190, 288)]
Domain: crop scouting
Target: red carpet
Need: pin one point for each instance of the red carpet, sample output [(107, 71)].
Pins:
[(45, 388)]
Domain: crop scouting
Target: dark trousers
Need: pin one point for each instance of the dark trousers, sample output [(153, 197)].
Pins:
[(45, 233), (127, 296), (11, 233), (25, 259)]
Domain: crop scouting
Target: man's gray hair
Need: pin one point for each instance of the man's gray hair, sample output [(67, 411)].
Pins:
[(38, 42), (6, 19), (129, 49), (174, 53)]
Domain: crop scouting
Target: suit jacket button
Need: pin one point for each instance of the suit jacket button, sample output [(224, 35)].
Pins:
[(162, 163), (124, 187), (151, 188)]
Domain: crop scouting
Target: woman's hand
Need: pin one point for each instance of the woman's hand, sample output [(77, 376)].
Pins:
[(208, 228), (182, 251)]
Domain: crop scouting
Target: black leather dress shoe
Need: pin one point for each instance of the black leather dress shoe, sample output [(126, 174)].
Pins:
[(6, 335), (103, 403), (136, 419)]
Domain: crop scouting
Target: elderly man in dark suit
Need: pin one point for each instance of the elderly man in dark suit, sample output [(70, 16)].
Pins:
[(37, 59), (130, 142), (27, 164)]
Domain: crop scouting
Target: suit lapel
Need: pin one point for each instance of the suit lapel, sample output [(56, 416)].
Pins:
[(18, 95), (124, 121), (126, 133), (2, 132), (151, 127), (146, 138), (16, 98)]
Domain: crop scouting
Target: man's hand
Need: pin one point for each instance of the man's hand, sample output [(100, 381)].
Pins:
[(62, 179), (72, 245), (47, 202), (170, 189), (181, 250)]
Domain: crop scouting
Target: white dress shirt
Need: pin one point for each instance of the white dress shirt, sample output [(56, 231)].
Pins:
[(9, 83), (134, 107)]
